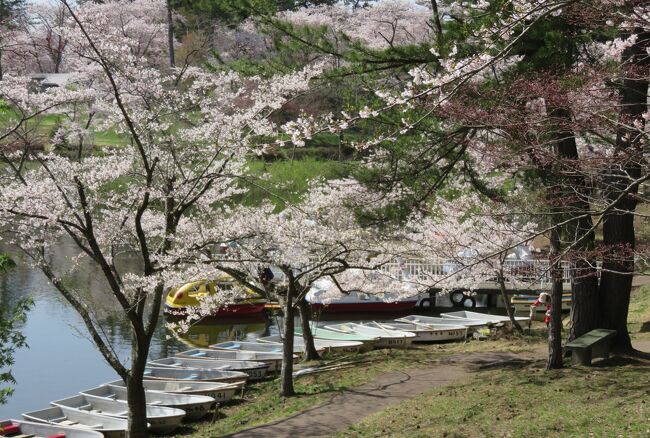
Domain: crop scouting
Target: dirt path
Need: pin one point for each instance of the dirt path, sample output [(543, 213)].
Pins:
[(351, 406)]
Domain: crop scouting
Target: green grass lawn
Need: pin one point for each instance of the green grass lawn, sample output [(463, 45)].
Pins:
[(262, 404), (606, 401), (609, 400)]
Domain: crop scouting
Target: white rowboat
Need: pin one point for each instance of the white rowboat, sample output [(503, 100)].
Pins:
[(110, 427), (192, 374), (431, 320), (387, 338), (44, 430), (255, 370), (493, 319), (219, 391), (324, 344), (161, 419), (273, 360), (195, 406), (426, 333)]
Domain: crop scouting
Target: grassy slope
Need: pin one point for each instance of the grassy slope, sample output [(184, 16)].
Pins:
[(519, 402), (262, 404), (601, 401)]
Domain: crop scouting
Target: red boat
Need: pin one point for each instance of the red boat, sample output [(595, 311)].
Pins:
[(322, 298), (362, 307)]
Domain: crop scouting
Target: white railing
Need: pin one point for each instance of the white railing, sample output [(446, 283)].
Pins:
[(534, 272)]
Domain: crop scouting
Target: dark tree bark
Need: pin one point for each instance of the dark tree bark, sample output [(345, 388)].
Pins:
[(437, 24), (618, 223), (135, 390), (555, 327), (585, 304), (286, 376), (308, 338)]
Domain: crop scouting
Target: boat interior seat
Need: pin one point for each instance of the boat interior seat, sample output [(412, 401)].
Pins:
[(95, 426), (67, 422), (86, 407)]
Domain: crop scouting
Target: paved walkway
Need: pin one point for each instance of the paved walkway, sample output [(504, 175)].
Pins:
[(349, 407)]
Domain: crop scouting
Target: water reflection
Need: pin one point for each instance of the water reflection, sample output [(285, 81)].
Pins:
[(62, 359), (207, 333)]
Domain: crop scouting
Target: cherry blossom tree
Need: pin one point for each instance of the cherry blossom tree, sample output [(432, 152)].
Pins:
[(189, 134), (320, 237)]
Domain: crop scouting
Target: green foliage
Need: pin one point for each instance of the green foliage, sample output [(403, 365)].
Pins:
[(10, 9), (11, 339), (6, 262), (285, 181), (10, 336)]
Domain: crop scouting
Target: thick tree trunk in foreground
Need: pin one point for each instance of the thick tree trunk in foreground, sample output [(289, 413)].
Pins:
[(135, 394), (555, 327), (308, 338), (618, 224), (286, 376)]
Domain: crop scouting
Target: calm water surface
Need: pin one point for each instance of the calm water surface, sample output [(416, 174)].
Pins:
[(62, 359)]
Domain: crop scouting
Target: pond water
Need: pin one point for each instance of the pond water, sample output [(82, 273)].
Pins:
[(62, 359)]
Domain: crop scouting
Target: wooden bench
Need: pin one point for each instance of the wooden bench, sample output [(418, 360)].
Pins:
[(596, 343)]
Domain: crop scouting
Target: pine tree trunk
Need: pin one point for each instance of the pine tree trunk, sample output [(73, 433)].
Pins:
[(286, 376), (555, 327), (585, 306), (618, 223), (308, 338)]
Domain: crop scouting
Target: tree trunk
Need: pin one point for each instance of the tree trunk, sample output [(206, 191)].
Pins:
[(509, 311), (286, 376), (170, 35), (437, 24), (135, 394), (585, 306), (575, 195), (555, 327), (618, 223), (308, 338)]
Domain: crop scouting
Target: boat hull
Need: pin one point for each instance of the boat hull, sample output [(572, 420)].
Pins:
[(330, 346), (195, 407), (220, 392), (111, 427), (361, 307), (273, 360), (28, 428), (161, 420), (255, 370)]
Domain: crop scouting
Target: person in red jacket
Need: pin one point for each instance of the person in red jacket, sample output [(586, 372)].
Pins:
[(544, 298)]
